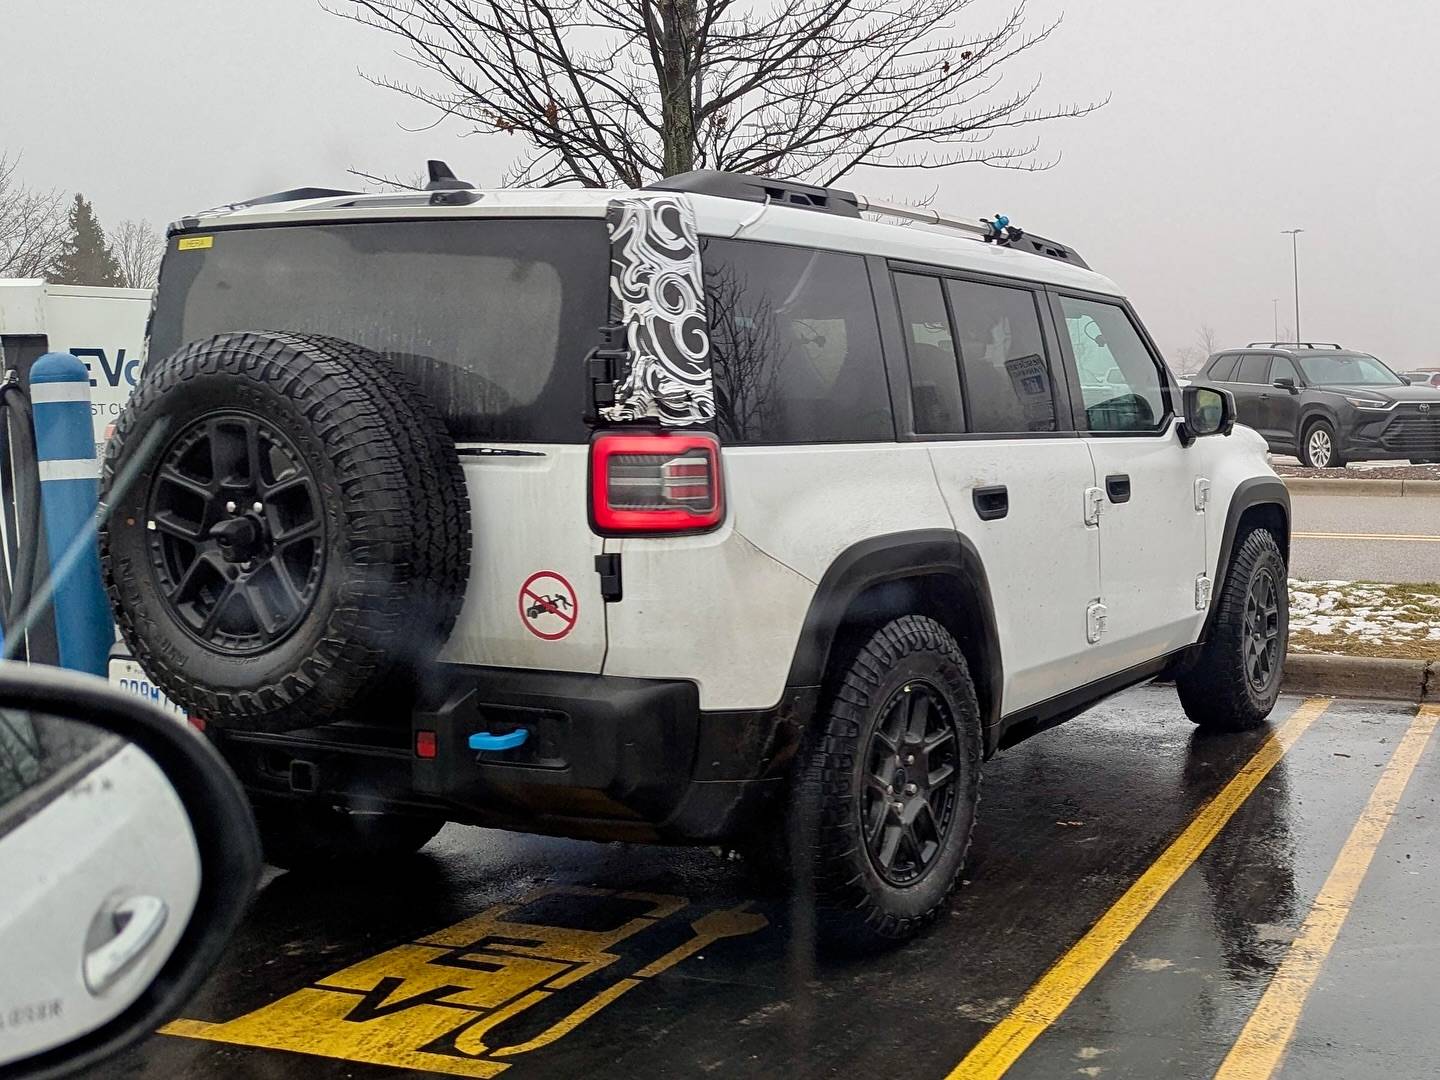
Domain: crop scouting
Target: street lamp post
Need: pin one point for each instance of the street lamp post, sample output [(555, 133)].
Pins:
[(1295, 264), (1275, 311)]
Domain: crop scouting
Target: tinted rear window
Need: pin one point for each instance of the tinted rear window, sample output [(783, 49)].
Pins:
[(795, 345), (930, 348), (492, 317), (1223, 368), (1008, 386), (1253, 368)]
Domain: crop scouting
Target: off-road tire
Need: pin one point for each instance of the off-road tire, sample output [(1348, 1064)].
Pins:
[(396, 535), (1337, 460), (1217, 692), (443, 556), (856, 906), (303, 835)]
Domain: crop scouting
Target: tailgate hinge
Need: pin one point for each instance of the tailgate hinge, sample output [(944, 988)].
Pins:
[(607, 366), (612, 585), (1094, 621), (1202, 494), (1202, 592), (1094, 500)]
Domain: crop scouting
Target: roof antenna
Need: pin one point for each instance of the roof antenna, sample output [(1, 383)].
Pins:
[(442, 179)]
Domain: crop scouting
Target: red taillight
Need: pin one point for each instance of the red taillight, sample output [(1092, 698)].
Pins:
[(657, 482), (425, 744)]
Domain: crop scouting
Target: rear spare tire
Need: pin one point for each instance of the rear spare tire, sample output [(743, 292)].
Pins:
[(288, 536)]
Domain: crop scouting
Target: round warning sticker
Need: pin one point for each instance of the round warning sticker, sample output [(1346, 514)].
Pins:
[(548, 605)]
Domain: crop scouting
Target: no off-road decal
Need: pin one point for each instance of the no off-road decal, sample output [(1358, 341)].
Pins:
[(549, 607)]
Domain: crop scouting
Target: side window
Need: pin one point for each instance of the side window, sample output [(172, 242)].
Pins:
[(1119, 378), (1281, 367), (794, 344), (1223, 370), (1253, 368), (930, 350), (1008, 385)]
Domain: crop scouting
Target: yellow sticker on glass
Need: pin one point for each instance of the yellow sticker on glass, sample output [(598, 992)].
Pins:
[(194, 243)]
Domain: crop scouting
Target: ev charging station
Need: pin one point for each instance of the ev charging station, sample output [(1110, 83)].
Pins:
[(69, 357)]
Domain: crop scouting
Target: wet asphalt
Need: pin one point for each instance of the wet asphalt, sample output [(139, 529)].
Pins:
[(616, 961)]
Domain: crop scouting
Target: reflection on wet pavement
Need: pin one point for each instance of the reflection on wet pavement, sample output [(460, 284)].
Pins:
[(1069, 821)]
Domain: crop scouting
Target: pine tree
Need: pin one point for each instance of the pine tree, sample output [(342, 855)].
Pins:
[(86, 259)]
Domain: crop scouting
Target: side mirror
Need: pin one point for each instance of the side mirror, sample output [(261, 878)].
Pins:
[(1405, 379), (128, 854), (1207, 410), (1285, 384)]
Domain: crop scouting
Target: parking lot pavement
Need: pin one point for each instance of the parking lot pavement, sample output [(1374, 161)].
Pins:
[(1364, 538), (1132, 891)]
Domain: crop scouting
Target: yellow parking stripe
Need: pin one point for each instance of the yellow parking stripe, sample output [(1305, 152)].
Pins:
[(1407, 538), (1058, 987), (1266, 1036)]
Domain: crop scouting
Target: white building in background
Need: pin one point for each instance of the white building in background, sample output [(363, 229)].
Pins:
[(104, 327)]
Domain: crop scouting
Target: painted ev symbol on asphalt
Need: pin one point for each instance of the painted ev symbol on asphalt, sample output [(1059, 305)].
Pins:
[(467, 1000)]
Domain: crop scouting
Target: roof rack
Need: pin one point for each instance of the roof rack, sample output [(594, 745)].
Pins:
[(1294, 345), (764, 189), (996, 230), (761, 189), (291, 195)]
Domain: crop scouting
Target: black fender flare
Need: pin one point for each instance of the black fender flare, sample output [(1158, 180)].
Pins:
[(1256, 491), (895, 557), (1315, 411)]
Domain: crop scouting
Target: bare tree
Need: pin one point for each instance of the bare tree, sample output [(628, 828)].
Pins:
[(625, 91), (1191, 358), (33, 224), (138, 247), (1207, 337)]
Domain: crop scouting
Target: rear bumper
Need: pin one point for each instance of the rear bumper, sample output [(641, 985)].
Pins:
[(604, 757)]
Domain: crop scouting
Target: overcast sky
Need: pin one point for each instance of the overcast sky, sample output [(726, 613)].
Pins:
[(1229, 120)]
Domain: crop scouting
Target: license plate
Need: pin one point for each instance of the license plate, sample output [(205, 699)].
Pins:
[(131, 677)]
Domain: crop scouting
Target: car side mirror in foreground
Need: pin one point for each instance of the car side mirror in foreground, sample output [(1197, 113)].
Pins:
[(1208, 410), (1285, 384), (128, 855)]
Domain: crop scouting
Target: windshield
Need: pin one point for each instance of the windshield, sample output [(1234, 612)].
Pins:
[(1346, 370), (491, 317)]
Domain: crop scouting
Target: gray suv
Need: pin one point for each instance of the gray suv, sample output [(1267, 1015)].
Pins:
[(1326, 404)]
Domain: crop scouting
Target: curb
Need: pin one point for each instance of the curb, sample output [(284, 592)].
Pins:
[(1344, 485), (1362, 676)]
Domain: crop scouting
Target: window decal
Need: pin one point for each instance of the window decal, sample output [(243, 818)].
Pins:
[(656, 295)]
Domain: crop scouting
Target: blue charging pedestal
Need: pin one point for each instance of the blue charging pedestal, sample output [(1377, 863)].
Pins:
[(69, 495)]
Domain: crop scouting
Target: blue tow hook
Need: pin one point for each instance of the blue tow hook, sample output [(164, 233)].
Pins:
[(483, 740)]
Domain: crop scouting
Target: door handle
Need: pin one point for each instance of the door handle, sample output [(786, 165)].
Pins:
[(991, 503), (1117, 487), (133, 925)]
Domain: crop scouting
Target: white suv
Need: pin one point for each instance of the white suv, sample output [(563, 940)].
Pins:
[(669, 515)]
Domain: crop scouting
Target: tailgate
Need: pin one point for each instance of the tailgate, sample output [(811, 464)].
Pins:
[(533, 599)]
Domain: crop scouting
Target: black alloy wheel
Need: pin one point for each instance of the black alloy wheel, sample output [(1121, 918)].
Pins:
[(1233, 681), (1262, 630), (236, 531), (909, 795), (887, 785)]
